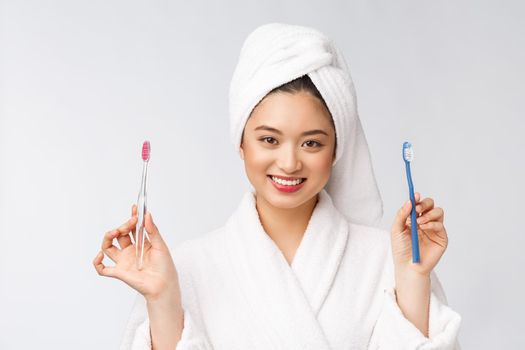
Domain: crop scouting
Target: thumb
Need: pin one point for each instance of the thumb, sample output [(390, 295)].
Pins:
[(402, 214), (153, 231)]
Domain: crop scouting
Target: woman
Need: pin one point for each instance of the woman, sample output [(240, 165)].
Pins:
[(300, 264)]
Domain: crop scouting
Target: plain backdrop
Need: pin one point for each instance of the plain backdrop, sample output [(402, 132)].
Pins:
[(84, 83)]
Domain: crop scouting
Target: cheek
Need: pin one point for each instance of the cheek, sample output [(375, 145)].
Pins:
[(257, 159), (322, 162)]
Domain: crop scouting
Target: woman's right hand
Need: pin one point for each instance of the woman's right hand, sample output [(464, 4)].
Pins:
[(158, 276)]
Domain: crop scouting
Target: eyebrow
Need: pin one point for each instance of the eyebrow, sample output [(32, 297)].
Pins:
[(306, 133)]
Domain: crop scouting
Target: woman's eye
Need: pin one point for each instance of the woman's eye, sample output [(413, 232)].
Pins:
[(315, 142), (267, 138)]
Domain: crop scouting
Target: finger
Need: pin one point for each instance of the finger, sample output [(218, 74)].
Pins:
[(133, 229), (103, 270), (128, 226), (425, 205), (436, 214), (124, 241), (401, 217), (433, 226), (417, 196), (435, 231), (133, 213), (124, 237), (153, 232), (107, 245)]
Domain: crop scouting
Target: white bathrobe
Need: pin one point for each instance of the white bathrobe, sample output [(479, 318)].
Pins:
[(238, 291)]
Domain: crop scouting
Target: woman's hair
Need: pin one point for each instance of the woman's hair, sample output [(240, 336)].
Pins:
[(303, 83)]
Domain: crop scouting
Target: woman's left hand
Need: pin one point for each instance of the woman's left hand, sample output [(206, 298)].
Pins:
[(433, 239)]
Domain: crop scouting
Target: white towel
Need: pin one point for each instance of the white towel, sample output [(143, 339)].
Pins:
[(276, 53)]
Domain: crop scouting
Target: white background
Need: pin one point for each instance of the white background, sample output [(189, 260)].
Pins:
[(83, 83)]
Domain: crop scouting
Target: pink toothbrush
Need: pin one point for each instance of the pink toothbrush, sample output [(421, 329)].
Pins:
[(140, 232)]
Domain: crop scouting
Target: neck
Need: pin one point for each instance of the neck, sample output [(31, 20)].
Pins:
[(285, 226)]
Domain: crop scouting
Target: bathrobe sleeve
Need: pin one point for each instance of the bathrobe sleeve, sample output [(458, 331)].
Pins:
[(393, 331), (137, 334)]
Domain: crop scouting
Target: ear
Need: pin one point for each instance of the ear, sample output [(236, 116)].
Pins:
[(241, 152)]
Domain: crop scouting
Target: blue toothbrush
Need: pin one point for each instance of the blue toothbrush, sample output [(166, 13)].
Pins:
[(408, 156)]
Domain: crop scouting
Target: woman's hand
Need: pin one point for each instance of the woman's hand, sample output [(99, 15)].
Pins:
[(158, 276), (433, 239)]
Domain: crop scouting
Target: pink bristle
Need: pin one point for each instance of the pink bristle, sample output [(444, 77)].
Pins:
[(145, 150)]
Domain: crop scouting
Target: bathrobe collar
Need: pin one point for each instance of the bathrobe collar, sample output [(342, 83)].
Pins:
[(285, 299)]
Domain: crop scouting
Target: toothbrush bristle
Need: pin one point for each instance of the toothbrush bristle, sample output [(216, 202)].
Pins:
[(145, 151), (408, 152)]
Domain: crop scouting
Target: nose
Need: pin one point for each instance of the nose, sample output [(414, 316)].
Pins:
[(288, 160)]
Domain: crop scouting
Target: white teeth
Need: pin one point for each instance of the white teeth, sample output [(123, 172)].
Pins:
[(287, 183)]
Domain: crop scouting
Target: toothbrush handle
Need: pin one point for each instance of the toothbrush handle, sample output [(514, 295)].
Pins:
[(141, 213), (140, 230), (413, 217)]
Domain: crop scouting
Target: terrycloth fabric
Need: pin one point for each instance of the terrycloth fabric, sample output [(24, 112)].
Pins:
[(276, 53), (239, 292)]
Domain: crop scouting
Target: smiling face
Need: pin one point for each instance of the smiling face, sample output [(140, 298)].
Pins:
[(288, 135)]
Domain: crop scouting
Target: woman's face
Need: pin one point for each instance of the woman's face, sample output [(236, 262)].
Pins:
[(288, 135)]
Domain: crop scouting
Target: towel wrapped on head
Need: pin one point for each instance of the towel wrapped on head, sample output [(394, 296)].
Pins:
[(277, 53)]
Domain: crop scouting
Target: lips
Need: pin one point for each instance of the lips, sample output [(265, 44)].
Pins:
[(286, 188)]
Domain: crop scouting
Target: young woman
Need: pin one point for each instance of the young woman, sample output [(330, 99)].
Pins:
[(301, 263)]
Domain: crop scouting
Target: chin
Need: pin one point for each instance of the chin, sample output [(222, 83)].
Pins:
[(284, 203)]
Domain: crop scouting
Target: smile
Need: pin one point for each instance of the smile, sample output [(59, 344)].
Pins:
[(287, 185)]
